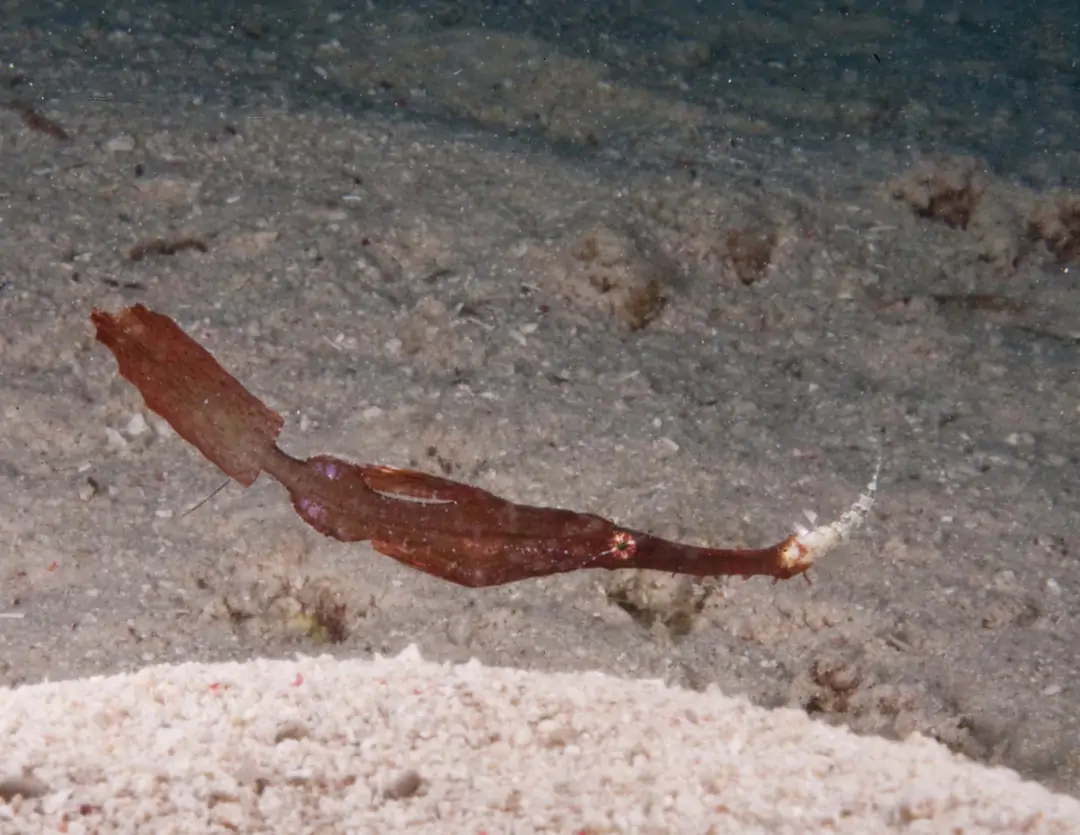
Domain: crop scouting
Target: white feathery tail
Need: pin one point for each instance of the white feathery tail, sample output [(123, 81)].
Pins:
[(807, 545)]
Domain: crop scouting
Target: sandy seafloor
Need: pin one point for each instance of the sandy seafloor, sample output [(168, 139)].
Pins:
[(675, 264)]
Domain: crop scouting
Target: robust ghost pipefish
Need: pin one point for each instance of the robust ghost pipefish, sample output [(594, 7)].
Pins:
[(445, 528)]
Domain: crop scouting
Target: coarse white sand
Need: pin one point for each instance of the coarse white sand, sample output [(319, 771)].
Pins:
[(402, 745)]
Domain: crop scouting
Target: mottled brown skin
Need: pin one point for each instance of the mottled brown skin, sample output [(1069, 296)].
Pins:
[(474, 538), (445, 528)]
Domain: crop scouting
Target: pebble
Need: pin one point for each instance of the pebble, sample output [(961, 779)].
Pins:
[(403, 785), (667, 444), (114, 440), (136, 426), (522, 737), (122, 143), (25, 786)]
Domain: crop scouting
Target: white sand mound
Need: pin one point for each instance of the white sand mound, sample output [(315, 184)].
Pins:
[(400, 745)]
